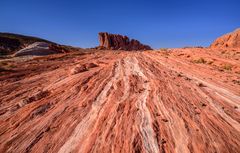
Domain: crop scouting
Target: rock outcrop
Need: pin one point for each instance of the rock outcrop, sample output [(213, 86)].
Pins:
[(39, 49), (119, 42), (11, 43), (230, 40)]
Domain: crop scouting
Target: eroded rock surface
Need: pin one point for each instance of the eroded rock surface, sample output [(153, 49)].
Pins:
[(230, 40), (122, 102), (119, 42)]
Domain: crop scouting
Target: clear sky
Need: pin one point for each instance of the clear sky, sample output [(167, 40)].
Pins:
[(158, 23)]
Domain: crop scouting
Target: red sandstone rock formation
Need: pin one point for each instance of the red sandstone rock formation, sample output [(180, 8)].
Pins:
[(119, 42), (230, 40)]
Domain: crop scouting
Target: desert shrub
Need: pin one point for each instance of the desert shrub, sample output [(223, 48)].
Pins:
[(7, 65), (163, 49), (227, 67), (210, 62), (236, 82), (3, 63), (199, 61), (223, 52), (185, 47)]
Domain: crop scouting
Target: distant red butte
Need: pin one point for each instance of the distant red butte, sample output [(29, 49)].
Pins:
[(119, 42), (230, 40)]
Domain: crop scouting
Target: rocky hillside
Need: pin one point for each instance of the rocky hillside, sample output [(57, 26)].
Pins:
[(230, 40), (10, 43), (119, 42)]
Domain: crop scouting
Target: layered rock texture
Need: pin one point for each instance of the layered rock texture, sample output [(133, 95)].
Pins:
[(20, 45), (230, 40), (11, 43), (41, 49), (37, 49), (119, 42), (175, 101)]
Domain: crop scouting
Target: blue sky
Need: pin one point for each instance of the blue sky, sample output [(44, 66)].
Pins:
[(158, 23)]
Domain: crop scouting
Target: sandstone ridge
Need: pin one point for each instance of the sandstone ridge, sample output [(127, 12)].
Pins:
[(230, 40), (119, 42)]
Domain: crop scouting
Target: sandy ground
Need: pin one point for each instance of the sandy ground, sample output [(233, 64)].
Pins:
[(175, 101)]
